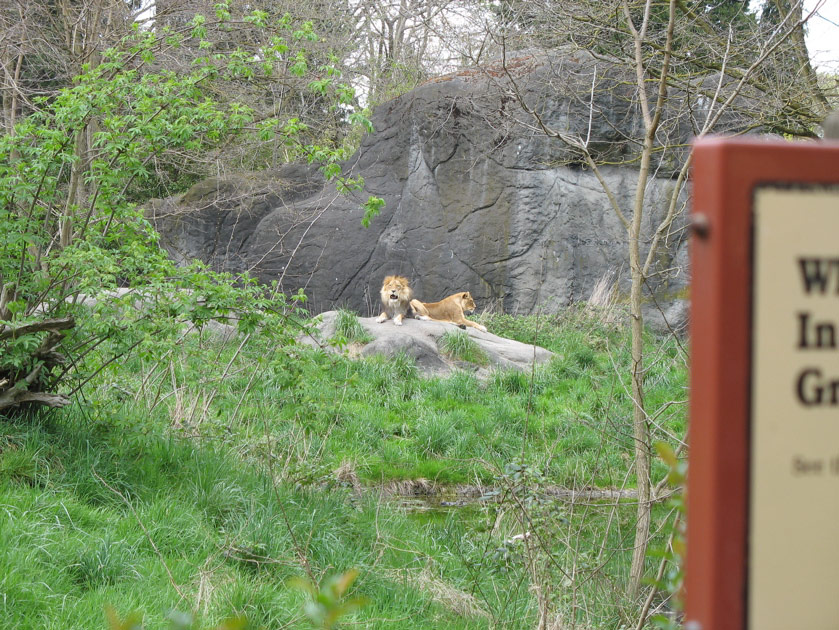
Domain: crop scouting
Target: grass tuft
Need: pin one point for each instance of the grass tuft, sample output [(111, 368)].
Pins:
[(348, 328), (104, 562), (458, 345)]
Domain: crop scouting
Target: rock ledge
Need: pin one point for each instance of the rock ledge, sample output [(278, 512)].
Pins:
[(420, 339)]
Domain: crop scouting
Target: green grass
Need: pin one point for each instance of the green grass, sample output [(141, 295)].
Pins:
[(458, 345), (114, 516), (348, 328), (204, 482)]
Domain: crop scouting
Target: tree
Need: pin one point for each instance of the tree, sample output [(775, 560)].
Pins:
[(391, 46), (694, 67), (790, 63), (45, 43)]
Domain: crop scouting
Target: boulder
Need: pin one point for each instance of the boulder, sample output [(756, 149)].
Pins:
[(476, 199), (421, 340)]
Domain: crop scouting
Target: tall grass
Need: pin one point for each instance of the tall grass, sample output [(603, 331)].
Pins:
[(204, 481), (193, 528)]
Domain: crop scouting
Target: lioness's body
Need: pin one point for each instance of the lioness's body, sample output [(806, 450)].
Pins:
[(396, 297), (451, 310)]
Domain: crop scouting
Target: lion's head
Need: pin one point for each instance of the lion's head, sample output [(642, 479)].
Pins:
[(396, 289), (466, 302)]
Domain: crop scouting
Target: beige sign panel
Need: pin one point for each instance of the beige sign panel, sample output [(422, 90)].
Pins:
[(793, 543)]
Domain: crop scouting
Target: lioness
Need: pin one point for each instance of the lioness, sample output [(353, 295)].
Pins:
[(450, 309), (396, 299)]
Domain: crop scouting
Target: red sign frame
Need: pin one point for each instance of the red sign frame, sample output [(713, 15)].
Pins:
[(726, 172)]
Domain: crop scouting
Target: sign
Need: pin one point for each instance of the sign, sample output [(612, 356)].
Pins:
[(763, 477), (793, 569)]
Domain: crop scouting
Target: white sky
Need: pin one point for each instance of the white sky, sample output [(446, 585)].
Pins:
[(823, 34)]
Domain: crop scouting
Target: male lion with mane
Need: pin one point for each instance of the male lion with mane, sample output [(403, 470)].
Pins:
[(448, 310), (396, 297)]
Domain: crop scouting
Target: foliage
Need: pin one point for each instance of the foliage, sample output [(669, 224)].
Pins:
[(328, 602), (71, 229), (215, 473), (215, 523), (372, 207), (179, 621), (708, 40), (695, 71), (670, 579)]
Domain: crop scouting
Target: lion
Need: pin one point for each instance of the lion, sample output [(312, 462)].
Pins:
[(450, 310), (396, 299)]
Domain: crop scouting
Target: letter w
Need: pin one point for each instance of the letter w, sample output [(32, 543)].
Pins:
[(816, 273)]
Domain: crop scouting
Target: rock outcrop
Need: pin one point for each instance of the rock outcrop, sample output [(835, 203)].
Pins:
[(476, 199), (421, 340)]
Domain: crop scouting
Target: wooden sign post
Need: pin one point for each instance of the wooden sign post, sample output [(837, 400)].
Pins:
[(763, 475)]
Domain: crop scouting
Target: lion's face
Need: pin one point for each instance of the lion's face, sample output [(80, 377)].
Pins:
[(396, 289), (466, 302)]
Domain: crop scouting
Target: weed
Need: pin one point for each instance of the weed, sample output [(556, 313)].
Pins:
[(511, 381), (23, 464), (404, 367), (328, 602), (435, 434), (455, 391), (584, 357)]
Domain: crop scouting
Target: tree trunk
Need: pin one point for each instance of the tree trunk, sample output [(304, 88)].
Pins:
[(641, 435), (640, 430)]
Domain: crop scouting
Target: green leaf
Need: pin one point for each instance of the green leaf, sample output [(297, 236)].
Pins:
[(361, 119), (300, 65), (222, 11), (257, 18), (372, 207)]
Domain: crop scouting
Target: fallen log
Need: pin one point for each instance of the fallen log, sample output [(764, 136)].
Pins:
[(17, 389), (16, 397), (59, 323)]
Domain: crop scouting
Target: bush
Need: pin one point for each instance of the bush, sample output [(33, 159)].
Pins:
[(72, 177)]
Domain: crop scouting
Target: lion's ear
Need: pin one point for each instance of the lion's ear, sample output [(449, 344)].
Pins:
[(465, 295)]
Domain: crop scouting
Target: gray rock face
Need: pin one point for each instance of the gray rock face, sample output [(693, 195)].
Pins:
[(421, 340), (476, 199)]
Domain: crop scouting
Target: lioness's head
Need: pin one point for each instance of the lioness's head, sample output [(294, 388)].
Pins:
[(396, 289), (466, 302)]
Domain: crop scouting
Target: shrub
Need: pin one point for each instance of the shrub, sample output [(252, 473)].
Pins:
[(71, 178)]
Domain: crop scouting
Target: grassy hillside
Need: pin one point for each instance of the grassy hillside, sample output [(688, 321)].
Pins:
[(202, 482)]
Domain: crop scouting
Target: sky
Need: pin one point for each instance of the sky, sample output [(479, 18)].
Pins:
[(823, 34)]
